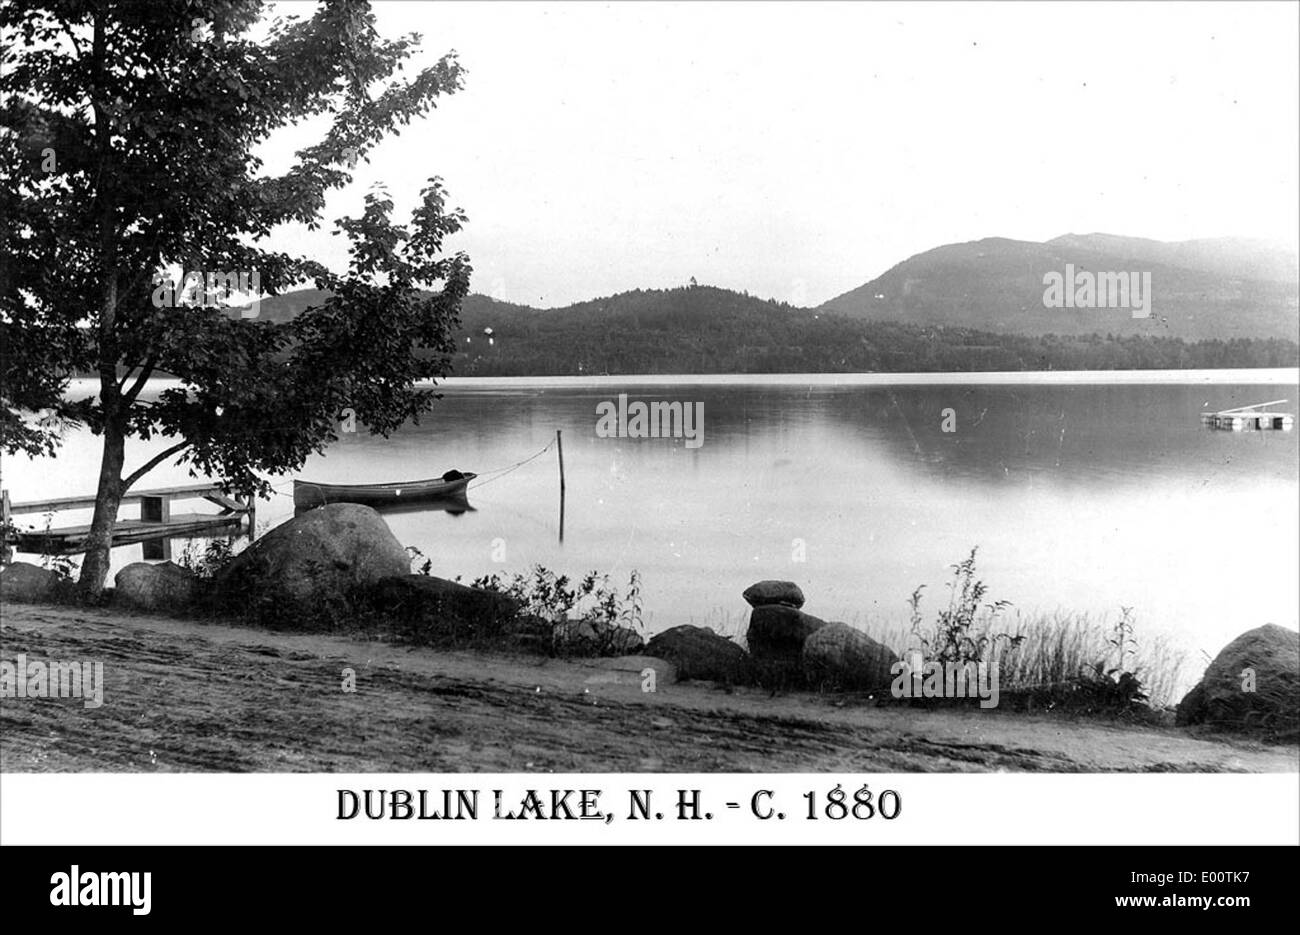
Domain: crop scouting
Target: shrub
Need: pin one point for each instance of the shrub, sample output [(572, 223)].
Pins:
[(211, 559), (562, 606), (964, 632), (1058, 661)]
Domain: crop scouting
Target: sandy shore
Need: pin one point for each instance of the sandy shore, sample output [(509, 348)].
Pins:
[(185, 696)]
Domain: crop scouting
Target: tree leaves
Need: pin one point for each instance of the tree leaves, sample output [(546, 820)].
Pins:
[(153, 112)]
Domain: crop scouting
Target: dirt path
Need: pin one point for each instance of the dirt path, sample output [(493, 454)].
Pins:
[(184, 696)]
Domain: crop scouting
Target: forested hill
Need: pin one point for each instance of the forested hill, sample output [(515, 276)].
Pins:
[(1216, 288), (701, 329)]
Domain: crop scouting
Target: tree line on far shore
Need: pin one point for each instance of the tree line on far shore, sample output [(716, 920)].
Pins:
[(708, 330)]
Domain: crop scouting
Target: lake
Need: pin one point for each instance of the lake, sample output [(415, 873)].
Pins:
[(1084, 493)]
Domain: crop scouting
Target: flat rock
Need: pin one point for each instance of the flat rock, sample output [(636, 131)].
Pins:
[(773, 592), (630, 670)]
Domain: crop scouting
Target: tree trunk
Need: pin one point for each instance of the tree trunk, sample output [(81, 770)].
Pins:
[(108, 492), (108, 496)]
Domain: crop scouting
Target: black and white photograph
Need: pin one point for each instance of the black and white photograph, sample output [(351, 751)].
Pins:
[(804, 401)]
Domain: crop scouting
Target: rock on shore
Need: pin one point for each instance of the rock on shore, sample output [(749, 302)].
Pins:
[(164, 587), (306, 571), (773, 592), (840, 657), (1253, 683), (777, 632), (429, 610), (23, 582), (699, 653)]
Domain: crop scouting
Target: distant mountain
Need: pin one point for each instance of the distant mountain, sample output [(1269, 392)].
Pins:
[(1220, 288), (1233, 257), (702, 329), (286, 307)]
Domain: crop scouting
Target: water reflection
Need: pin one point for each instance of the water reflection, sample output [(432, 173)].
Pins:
[(1080, 497)]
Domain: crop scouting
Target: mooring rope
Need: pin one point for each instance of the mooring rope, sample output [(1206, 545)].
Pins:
[(502, 472)]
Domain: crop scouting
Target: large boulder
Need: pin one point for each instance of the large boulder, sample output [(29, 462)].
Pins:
[(1266, 697), (699, 653), (23, 582), (426, 609), (165, 586), (773, 592), (1192, 709), (837, 656), (777, 632), (307, 573)]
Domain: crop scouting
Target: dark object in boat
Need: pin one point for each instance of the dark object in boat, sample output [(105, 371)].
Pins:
[(450, 486)]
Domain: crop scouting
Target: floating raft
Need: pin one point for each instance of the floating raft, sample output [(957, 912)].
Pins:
[(155, 526), (1250, 418)]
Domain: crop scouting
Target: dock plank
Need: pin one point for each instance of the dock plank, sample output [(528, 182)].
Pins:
[(55, 504), (70, 539)]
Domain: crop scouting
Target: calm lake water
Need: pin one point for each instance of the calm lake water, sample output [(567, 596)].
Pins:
[(1081, 497)]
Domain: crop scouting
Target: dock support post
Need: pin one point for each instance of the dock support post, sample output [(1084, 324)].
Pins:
[(559, 450), (156, 510), (6, 553)]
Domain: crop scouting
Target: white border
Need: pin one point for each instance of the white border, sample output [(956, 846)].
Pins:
[(938, 809)]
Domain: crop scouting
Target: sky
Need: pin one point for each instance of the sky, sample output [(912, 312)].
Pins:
[(798, 150)]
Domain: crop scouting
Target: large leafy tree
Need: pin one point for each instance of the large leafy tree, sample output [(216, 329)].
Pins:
[(128, 131)]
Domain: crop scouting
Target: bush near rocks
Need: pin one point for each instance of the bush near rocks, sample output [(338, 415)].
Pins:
[(773, 592), (164, 586), (1222, 698), (699, 653), (837, 656), (306, 573), (575, 638), (594, 637)]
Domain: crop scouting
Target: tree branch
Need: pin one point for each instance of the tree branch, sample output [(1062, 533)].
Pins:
[(146, 371), (67, 28), (153, 463)]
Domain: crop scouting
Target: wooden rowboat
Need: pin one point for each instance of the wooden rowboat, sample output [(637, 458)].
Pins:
[(450, 486)]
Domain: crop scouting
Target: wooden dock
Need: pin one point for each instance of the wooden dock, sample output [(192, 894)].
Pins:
[(156, 526), (1250, 418)]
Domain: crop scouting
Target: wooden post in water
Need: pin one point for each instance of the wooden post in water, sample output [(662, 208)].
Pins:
[(6, 554), (156, 510), (559, 450)]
